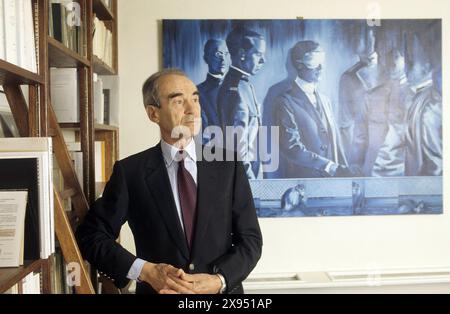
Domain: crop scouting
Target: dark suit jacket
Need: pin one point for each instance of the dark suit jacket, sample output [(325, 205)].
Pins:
[(307, 144), (227, 235)]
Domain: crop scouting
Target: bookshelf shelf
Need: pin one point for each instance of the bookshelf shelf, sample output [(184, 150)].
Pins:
[(11, 276), (102, 11), (12, 74), (102, 68), (97, 127), (62, 57)]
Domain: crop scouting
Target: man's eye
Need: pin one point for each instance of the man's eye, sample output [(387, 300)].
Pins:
[(178, 101)]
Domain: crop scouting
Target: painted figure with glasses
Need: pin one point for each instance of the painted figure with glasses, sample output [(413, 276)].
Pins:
[(310, 145)]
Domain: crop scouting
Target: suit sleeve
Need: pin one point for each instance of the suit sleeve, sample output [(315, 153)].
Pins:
[(291, 143), (237, 264), (432, 140), (97, 235)]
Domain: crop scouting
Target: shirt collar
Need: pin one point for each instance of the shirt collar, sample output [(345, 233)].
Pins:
[(307, 87), (170, 152), (239, 70), (217, 76)]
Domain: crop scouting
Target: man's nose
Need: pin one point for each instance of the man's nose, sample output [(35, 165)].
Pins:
[(189, 106)]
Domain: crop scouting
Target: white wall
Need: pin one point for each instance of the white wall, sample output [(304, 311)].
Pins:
[(290, 245)]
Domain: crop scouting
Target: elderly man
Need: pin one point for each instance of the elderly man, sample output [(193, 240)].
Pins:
[(310, 145), (193, 221), (237, 103)]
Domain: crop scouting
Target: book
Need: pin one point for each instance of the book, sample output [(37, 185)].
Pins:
[(26, 164), (2, 32), (111, 83), (65, 94), (11, 29), (102, 42), (12, 222), (56, 20), (30, 56), (100, 163), (31, 284), (99, 101), (17, 34), (107, 106)]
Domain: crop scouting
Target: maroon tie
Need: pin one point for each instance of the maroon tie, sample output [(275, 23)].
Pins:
[(187, 192)]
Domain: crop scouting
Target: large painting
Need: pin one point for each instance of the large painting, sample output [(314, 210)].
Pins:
[(330, 117)]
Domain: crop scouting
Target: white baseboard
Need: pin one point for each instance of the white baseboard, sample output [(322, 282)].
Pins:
[(429, 280)]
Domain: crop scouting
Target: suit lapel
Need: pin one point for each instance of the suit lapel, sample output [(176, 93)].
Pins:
[(158, 184), (207, 188), (303, 101)]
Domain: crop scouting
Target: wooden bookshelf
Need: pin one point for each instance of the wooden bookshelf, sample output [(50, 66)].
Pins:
[(102, 68), (9, 277), (102, 11), (37, 119), (97, 127), (12, 74), (62, 57)]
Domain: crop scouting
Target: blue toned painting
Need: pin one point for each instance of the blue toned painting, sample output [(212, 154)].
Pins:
[(350, 111)]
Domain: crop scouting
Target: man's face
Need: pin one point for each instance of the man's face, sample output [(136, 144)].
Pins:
[(179, 112), (311, 65), (217, 58), (254, 57), (310, 75)]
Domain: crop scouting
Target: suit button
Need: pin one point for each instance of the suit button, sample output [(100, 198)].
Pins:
[(191, 267), (324, 147)]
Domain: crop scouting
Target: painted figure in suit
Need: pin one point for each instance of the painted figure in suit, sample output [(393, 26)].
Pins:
[(424, 134), (193, 221), (216, 55), (310, 145), (237, 103)]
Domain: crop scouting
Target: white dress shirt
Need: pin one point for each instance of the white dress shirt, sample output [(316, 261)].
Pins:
[(171, 158), (309, 89)]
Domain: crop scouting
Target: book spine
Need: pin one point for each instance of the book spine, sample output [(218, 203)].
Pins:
[(22, 53), (57, 27), (36, 38), (51, 198), (11, 44), (2, 31)]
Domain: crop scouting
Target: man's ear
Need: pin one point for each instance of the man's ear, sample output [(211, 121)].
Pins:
[(298, 66), (153, 113)]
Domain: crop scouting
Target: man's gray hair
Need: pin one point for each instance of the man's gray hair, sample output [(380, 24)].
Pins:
[(150, 87)]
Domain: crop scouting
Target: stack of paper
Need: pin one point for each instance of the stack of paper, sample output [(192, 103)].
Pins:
[(26, 164)]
